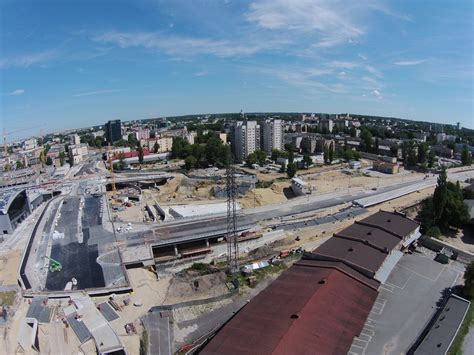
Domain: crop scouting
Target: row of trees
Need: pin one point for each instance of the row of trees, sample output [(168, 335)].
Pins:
[(445, 209), (201, 155)]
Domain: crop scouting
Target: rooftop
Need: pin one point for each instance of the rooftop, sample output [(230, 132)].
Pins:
[(390, 222), (353, 253), (373, 236), (303, 311), (439, 337)]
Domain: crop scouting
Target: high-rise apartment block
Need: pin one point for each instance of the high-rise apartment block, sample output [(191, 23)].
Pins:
[(113, 131), (272, 135), (245, 139)]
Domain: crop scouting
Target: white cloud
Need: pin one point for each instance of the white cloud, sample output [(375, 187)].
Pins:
[(99, 92), (361, 56), (332, 21), (376, 93), (26, 60), (410, 62), (185, 46), (16, 92), (201, 73)]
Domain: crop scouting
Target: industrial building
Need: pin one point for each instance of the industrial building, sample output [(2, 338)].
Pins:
[(17, 204), (320, 303)]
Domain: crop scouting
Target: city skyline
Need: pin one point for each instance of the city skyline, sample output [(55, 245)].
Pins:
[(79, 65)]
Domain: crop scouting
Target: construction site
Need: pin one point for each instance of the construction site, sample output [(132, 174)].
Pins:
[(157, 261)]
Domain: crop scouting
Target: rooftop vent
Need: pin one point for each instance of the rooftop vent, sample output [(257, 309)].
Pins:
[(389, 220), (322, 281), (350, 249), (295, 316), (369, 233)]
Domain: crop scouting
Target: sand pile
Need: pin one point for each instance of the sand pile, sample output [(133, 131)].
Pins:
[(264, 196), (188, 287)]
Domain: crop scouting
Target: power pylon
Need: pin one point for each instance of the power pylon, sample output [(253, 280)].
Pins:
[(232, 241)]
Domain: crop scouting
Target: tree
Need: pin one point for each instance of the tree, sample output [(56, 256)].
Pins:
[(440, 196), (190, 162), (261, 157), (348, 155), (466, 156), (431, 158), (62, 158), (275, 154), (307, 161), (422, 153), (140, 154), (132, 140), (331, 155), (468, 289), (353, 131), (366, 140), (121, 164), (7, 167), (156, 147), (326, 155), (282, 168), (49, 161), (291, 170), (251, 160), (19, 165), (290, 156)]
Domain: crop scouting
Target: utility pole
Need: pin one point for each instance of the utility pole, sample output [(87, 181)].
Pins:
[(232, 239)]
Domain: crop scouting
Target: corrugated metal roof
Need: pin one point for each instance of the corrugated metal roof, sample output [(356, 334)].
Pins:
[(391, 222), (307, 310), (352, 252), (374, 236)]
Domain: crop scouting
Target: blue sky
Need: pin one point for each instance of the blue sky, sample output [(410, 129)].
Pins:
[(66, 64)]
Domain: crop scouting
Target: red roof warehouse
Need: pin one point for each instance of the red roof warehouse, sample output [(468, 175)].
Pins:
[(320, 303)]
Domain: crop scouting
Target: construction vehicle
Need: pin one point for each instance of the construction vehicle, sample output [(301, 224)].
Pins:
[(54, 265)]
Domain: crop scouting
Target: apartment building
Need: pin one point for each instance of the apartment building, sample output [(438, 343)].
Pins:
[(272, 135)]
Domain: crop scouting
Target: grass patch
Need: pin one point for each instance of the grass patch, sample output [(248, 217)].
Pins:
[(263, 184), (7, 298), (456, 346), (144, 343)]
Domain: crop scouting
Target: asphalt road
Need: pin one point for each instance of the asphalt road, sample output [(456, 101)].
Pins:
[(405, 304), (160, 334)]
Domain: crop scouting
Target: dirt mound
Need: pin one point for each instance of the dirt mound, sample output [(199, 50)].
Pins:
[(283, 242), (187, 287), (264, 196), (261, 252)]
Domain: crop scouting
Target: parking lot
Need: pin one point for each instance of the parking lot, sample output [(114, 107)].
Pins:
[(406, 304)]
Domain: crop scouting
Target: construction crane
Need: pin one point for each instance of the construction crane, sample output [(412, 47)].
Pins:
[(8, 133), (54, 265)]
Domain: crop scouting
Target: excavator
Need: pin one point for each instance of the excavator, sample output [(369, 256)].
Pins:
[(54, 265)]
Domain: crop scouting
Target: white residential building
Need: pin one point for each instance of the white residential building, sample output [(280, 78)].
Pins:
[(165, 143), (272, 135), (142, 133), (74, 139), (245, 139), (30, 144), (77, 153)]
